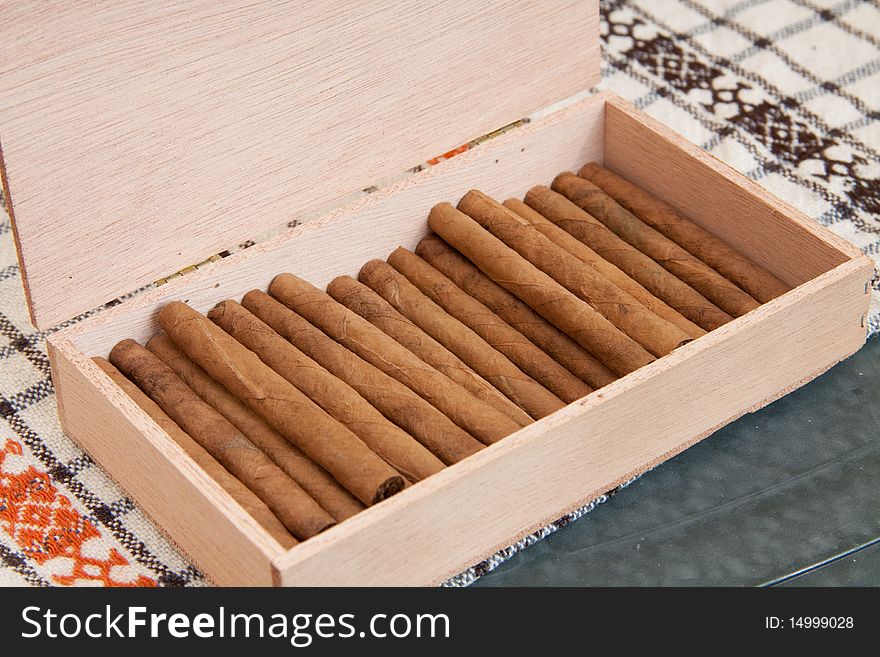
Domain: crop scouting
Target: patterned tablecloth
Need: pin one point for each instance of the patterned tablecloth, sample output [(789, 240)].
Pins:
[(786, 91)]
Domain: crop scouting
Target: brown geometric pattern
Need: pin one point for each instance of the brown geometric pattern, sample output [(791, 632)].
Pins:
[(785, 91)]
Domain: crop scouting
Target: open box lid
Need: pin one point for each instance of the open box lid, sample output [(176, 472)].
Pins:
[(138, 138)]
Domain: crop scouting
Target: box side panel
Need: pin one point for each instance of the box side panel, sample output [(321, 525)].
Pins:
[(341, 242), (459, 516), (773, 234), (143, 137), (226, 543)]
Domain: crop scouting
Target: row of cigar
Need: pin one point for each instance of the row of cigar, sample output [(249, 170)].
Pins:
[(307, 406)]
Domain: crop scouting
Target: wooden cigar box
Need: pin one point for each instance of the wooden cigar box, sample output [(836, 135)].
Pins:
[(138, 139)]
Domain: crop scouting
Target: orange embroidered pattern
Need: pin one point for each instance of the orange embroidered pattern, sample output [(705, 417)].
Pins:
[(46, 526), (449, 154)]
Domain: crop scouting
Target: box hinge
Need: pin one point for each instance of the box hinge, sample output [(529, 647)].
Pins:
[(188, 270)]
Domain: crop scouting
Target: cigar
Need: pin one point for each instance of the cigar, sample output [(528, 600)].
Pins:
[(325, 440), (368, 304), (586, 255), (245, 497), (399, 449), (481, 420), (755, 280), (293, 506), (662, 250), (630, 260), (521, 351), (557, 344), (489, 363), (655, 334), (435, 431), (617, 351), (312, 478)]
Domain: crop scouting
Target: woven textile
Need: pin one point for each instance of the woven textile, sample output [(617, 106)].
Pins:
[(786, 91)]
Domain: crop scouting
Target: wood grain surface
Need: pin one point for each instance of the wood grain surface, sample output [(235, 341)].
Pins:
[(371, 227), (721, 200), (139, 138), (195, 512), (464, 513), (486, 502)]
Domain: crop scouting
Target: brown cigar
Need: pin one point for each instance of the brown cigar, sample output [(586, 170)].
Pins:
[(667, 253), (630, 260), (237, 490), (312, 478), (403, 453), (325, 440), (438, 433), (293, 506), (562, 348), (481, 420), (757, 281), (492, 365), (368, 304), (489, 326), (655, 334), (585, 254), (617, 351)]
